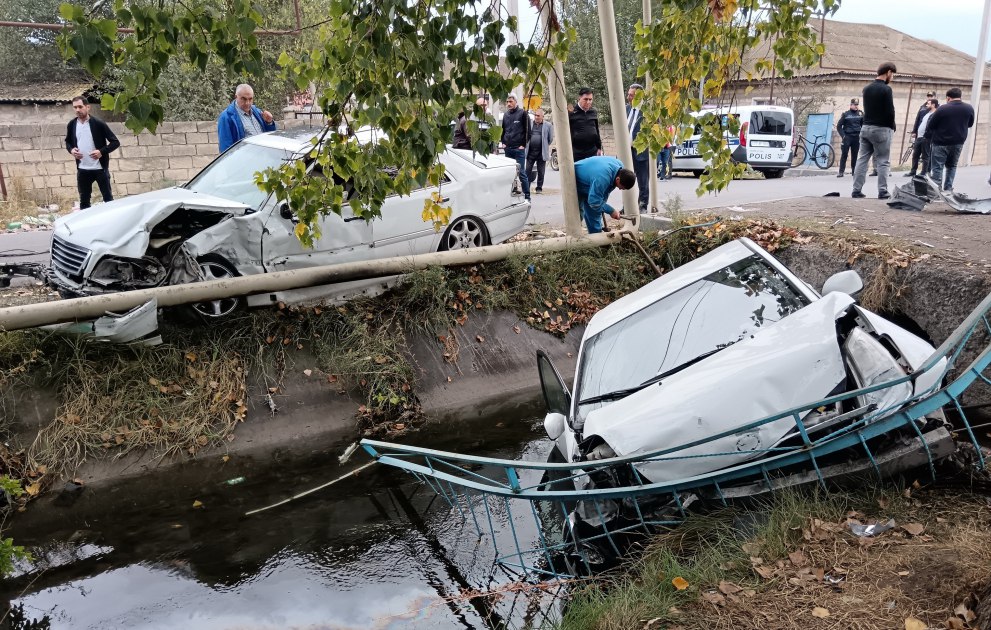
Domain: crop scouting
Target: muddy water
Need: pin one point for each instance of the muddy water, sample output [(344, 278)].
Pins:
[(376, 551)]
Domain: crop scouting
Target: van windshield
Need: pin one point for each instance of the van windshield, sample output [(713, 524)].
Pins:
[(772, 123)]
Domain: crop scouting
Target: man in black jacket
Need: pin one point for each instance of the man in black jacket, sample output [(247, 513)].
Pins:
[(849, 127), (641, 160), (876, 134), (947, 130), (90, 141), (515, 136), (584, 123), (915, 137)]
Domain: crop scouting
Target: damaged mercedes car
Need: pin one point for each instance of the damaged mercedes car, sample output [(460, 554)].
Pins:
[(220, 224), (695, 361)]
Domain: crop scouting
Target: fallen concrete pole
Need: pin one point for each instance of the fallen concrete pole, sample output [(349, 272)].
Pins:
[(85, 308)]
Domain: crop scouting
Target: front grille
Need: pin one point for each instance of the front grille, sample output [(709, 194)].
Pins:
[(69, 259)]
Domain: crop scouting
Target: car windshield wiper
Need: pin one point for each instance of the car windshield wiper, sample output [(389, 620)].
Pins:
[(623, 393)]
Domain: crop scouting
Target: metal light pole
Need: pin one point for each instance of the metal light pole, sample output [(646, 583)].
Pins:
[(975, 90), (617, 99), (562, 135), (653, 200)]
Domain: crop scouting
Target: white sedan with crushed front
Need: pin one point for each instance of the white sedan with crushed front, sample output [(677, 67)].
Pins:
[(220, 225)]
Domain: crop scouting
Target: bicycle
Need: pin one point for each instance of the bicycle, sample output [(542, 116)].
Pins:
[(823, 154)]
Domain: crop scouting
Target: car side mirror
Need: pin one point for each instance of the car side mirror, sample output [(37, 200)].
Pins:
[(286, 213), (848, 282)]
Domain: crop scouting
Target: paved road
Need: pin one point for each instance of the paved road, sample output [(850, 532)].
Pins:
[(547, 207)]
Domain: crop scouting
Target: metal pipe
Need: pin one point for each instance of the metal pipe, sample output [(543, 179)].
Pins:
[(86, 308), (617, 98), (562, 131), (975, 89)]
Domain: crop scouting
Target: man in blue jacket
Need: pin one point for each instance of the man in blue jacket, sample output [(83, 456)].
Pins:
[(242, 119), (595, 178)]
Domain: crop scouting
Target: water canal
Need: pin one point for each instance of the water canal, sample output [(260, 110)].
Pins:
[(375, 551)]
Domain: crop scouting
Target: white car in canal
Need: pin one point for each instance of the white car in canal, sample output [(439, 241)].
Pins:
[(220, 224), (713, 347)]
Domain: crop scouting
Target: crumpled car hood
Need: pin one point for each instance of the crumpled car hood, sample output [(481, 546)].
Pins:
[(794, 362), (122, 227)]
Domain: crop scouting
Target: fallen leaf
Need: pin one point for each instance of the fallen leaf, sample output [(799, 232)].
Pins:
[(714, 598), (307, 372), (680, 583), (153, 381), (33, 489), (728, 588), (400, 426), (914, 624), (820, 612), (332, 378), (765, 572), (225, 458), (904, 573), (202, 440), (191, 357), (955, 623), (480, 338), (516, 329), (914, 529), (197, 504), (797, 558)]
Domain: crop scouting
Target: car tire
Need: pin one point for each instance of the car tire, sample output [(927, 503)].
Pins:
[(554, 163), (697, 173), (216, 311), (772, 173), (464, 233)]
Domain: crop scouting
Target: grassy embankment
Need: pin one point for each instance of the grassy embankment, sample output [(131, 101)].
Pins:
[(192, 391)]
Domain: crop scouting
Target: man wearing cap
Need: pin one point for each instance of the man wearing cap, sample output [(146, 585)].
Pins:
[(849, 127), (515, 135), (916, 138)]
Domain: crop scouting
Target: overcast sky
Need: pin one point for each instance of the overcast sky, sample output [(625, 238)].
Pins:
[(956, 23)]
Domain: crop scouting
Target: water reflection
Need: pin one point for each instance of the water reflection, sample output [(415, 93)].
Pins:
[(376, 552)]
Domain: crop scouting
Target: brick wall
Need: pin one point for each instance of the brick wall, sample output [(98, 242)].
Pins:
[(34, 158)]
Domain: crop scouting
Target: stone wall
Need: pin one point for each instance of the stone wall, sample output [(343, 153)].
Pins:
[(35, 162)]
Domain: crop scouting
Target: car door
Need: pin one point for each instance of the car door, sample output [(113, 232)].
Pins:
[(343, 238), (401, 230)]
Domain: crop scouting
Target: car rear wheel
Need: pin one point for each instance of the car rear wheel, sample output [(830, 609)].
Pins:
[(772, 173), (464, 233), (217, 310)]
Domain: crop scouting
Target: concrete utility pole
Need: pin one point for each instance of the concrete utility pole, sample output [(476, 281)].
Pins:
[(562, 135), (975, 89), (653, 202), (617, 100)]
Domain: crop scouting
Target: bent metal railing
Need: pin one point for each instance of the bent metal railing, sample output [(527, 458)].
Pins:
[(555, 524)]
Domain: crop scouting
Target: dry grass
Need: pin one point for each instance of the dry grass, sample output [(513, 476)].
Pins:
[(804, 558), (23, 201)]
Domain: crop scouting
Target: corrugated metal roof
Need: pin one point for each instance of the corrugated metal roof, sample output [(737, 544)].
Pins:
[(42, 92), (861, 48)]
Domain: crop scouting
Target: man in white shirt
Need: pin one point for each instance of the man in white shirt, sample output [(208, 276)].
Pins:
[(90, 141), (931, 105)]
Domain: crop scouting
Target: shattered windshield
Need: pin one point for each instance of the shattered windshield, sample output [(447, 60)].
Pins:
[(702, 318), (232, 175)]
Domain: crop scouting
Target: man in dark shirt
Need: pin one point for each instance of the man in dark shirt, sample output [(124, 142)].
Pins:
[(947, 130), (849, 127), (916, 138), (641, 160), (584, 123), (876, 134), (515, 136)]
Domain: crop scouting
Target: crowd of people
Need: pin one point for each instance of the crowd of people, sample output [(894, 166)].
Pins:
[(937, 137)]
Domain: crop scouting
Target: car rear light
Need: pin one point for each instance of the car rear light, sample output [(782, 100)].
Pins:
[(743, 134)]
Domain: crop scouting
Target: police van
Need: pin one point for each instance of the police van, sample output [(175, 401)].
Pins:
[(764, 140)]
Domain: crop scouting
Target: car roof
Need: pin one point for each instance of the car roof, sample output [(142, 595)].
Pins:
[(299, 139)]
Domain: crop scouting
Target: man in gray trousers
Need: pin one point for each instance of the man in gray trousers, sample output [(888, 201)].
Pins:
[(876, 134)]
